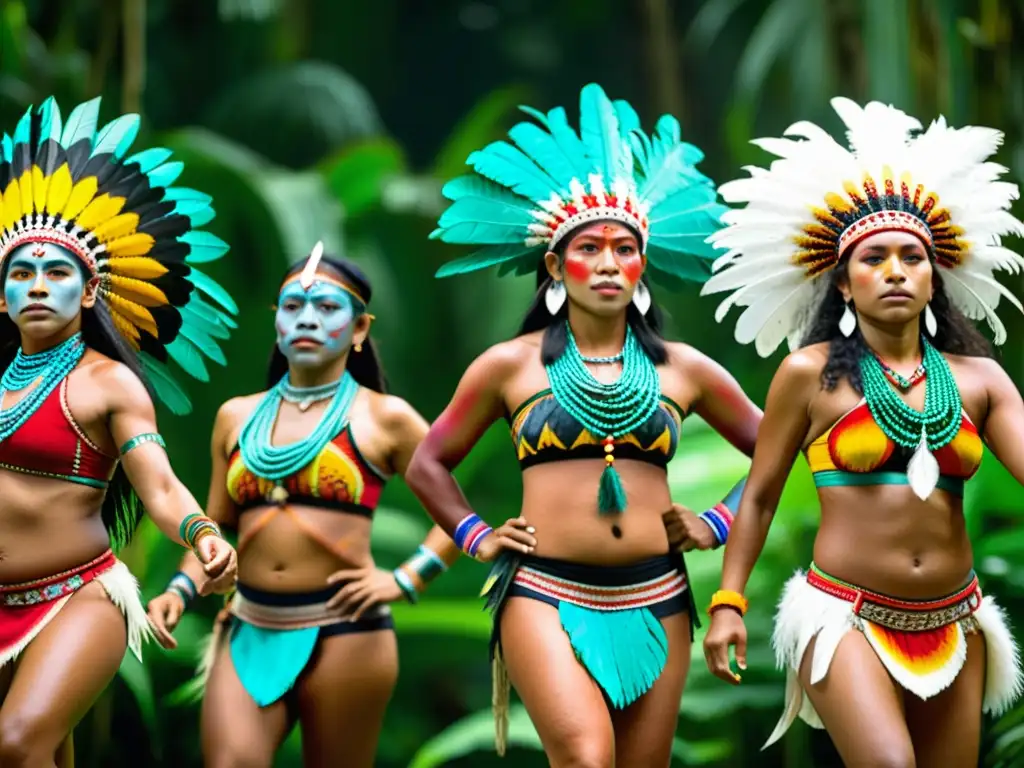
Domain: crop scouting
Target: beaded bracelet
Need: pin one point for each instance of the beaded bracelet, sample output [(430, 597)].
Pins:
[(470, 532), (182, 586), (194, 527), (406, 585), (720, 519), (726, 598), (423, 567)]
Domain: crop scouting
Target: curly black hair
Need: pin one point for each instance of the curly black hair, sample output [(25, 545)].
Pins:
[(647, 328), (955, 334)]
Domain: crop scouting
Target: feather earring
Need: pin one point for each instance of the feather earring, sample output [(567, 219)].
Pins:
[(930, 323), (642, 298), (554, 296), (848, 322)]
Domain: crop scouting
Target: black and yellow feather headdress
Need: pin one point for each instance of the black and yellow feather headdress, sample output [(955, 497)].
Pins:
[(71, 185)]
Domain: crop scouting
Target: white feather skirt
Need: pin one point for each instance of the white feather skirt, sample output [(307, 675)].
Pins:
[(926, 668)]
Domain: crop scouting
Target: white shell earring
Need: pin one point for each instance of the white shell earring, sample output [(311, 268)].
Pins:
[(554, 296), (930, 323), (848, 322), (642, 298)]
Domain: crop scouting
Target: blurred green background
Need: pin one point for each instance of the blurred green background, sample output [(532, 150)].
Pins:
[(339, 119)]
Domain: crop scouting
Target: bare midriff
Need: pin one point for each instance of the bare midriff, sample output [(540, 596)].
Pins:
[(885, 539)]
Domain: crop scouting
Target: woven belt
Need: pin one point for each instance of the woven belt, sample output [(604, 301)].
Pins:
[(902, 615), (57, 586)]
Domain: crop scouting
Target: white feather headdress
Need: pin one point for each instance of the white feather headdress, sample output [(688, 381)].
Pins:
[(819, 198)]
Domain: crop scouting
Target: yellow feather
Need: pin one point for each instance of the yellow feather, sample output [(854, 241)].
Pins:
[(60, 190), (139, 267), (135, 313), (99, 211), (81, 194), (26, 193), (138, 244), (40, 185), (12, 205), (126, 329), (142, 292), (119, 226)]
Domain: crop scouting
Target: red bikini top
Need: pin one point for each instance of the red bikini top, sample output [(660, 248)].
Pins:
[(51, 444)]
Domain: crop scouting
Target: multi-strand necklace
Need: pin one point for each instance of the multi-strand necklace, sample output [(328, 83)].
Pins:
[(49, 368), (925, 431), (607, 411)]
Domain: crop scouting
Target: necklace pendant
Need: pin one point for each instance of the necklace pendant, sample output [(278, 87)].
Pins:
[(304, 404), (279, 495), (923, 469)]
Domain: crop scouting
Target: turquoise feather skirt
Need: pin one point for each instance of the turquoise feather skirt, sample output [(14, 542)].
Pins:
[(611, 614)]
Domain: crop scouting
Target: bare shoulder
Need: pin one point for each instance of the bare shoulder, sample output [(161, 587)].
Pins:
[(986, 370), (802, 367), (503, 360), (236, 410), (119, 383), (391, 412)]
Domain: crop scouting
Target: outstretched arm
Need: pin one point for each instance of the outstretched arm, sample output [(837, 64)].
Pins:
[(476, 405), (1005, 422)]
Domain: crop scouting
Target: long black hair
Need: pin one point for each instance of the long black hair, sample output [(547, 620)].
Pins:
[(121, 511), (646, 328), (365, 365), (955, 334)]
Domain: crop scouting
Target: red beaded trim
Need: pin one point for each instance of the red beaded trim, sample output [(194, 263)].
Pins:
[(883, 221)]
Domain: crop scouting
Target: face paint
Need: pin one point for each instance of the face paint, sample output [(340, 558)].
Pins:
[(577, 269), (44, 283), (314, 326), (632, 267)]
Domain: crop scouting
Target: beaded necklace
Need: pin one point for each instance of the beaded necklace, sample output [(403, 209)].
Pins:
[(608, 410), (304, 397), (276, 462), (49, 367), (899, 379), (926, 431)]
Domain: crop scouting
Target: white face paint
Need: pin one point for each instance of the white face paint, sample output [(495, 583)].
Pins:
[(315, 326), (43, 288)]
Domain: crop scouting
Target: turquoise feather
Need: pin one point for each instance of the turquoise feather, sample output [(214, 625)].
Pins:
[(167, 389), (184, 194), (203, 342), (570, 143), (23, 130), (166, 174), (50, 125), (484, 232), (117, 136), (187, 355), (599, 130), (203, 317), (544, 151), (211, 288), (485, 257), (624, 651), (203, 247), (629, 121), (536, 114), (198, 212), (148, 159), (6, 149), (506, 165), (81, 123)]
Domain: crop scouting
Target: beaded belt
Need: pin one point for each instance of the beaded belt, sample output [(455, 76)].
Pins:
[(641, 595), (901, 615), (55, 587)]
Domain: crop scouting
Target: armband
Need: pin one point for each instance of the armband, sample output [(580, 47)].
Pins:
[(147, 437)]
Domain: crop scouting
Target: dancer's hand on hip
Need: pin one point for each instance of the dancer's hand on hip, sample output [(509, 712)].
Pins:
[(165, 611), (727, 630), (363, 589), (515, 534)]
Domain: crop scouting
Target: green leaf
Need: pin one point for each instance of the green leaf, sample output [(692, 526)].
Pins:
[(886, 33), (464, 618), (701, 752), (136, 677), (475, 733), (395, 530), (356, 175)]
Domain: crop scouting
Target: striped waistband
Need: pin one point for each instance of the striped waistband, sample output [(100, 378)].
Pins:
[(281, 610), (57, 586), (668, 582), (831, 478), (898, 613)]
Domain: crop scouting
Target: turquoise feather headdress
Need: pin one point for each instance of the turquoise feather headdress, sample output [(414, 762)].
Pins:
[(524, 198), (70, 184)]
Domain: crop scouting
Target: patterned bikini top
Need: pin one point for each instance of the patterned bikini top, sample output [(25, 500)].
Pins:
[(543, 431), (51, 444), (855, 451), (339, 478)]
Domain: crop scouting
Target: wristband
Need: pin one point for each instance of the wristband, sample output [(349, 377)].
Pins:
[(183, 586), (406, 585), (726, 598), (719, 518), (194, 527), (469, 533)]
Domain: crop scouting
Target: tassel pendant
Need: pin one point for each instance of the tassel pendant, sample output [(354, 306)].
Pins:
[(923, 469), (611, 496)]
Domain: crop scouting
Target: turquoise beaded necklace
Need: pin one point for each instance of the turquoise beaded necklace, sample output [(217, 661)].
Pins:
[(276, 462), (925, 431), (607, 411), (49, 367)]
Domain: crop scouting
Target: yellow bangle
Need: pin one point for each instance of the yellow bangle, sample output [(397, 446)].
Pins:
[(728, 598)]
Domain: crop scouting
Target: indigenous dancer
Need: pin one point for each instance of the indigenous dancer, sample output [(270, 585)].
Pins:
[(298, 471), (887, 640), (592, 609), (98, 289)]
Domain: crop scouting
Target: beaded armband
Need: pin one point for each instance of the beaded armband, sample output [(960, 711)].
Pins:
[(183, 586), (419, 570), (720, 519), (196, 526), (147, 437), (726, 598), (469, 533)]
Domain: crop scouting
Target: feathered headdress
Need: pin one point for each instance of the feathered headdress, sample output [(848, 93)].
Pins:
[(820, 198), (71, 185), (528, 195)]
